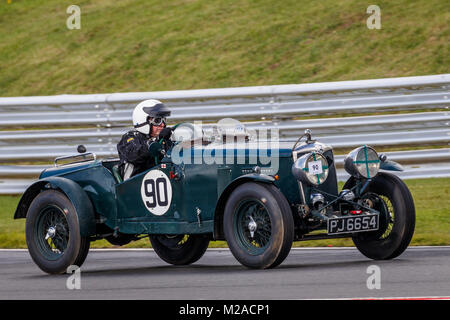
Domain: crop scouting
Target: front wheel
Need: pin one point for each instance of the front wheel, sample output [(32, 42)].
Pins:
[(258, 225), (53, 234), (180, 249), (388, 194)]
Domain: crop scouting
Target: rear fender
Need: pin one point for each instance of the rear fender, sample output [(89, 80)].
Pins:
[(73, 191)]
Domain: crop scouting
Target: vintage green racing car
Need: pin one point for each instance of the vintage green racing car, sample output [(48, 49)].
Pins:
[(259, 194)]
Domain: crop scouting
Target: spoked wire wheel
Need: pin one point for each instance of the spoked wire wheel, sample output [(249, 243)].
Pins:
[(390, 216), (390, 196), (173, 241), (253, 229), (52, 232), (258, 225), (180, 249), (386, 221)]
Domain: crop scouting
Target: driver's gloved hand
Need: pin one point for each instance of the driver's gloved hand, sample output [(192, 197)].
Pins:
[(165, 133), (154, 148)]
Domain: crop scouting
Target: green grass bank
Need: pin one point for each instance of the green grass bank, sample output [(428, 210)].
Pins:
[(131, 45)]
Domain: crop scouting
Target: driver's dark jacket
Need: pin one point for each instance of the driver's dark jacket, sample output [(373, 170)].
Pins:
[(133, 148)]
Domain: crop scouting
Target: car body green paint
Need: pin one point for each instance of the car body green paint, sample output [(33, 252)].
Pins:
[(199, 191)]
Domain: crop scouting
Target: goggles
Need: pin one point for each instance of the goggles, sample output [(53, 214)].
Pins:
[(156, 121)]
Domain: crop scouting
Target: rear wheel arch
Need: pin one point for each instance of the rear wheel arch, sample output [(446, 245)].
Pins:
[(28, 197), (73, 191)]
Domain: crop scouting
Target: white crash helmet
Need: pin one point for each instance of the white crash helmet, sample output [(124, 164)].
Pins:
[(148, 108)]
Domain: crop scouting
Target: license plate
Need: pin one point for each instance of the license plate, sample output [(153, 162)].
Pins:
[(350, 224)]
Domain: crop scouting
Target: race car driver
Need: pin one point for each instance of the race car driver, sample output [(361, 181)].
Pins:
[(145, 146)]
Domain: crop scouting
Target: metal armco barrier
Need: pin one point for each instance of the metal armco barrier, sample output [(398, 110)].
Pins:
[(44, 127)]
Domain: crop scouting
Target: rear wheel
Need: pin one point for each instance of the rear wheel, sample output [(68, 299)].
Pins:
[(52, 233), (258, 225), (180, 249), (389, 195)]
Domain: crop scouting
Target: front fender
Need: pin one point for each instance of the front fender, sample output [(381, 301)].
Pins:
[(73, 191), (246, 178), (390, 166)]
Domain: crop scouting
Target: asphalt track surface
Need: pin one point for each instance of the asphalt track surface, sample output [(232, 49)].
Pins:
[(321, 273)]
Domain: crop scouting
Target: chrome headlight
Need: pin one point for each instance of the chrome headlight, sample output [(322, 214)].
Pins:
[(362, 161), (311, 168)]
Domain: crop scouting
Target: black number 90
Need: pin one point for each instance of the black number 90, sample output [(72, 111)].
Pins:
[(156, 192)]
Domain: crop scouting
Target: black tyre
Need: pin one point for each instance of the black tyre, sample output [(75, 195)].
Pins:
[(53, 234), (84, 250), (388, 194), (180, 249), (258, 225)]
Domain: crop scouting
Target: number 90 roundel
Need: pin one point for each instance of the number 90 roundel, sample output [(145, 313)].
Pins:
[(156, 192)]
